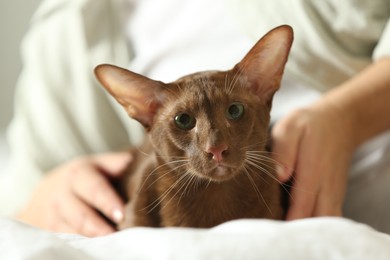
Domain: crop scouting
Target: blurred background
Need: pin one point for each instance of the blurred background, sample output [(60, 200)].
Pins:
[(15, 16)]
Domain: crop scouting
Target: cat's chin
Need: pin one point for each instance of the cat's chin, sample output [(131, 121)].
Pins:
[(221, 173)]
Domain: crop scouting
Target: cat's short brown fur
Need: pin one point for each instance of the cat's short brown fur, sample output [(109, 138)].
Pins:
[(204, 161)]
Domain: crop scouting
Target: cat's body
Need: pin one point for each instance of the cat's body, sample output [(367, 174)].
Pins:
[(155, 200), (204, 161)]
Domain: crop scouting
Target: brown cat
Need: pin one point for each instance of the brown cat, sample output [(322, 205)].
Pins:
[(205, 161)]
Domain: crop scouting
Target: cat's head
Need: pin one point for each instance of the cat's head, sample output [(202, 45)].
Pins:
[(210, 123)]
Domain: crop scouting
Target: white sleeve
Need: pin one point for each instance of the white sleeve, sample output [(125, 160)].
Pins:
[(382, 49), (60, 110)]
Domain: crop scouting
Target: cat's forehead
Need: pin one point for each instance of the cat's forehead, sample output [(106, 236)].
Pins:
[(202, 75), (208, 84), (204, 92), (204, 86)]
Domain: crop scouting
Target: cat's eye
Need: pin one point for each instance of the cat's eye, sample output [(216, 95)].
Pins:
[(185, 121), (235, 111)]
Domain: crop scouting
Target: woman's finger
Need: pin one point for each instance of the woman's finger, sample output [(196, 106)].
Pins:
[(61, 226), (303, 195), (285, 141), (94, 188), (81, 218), (112, 164), (306, 183), (331, 194)]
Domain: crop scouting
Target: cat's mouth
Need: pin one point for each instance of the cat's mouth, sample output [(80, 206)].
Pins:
[(221, 172)]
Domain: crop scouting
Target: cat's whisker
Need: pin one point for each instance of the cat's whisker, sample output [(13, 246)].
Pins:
[(264, 152), (208, 184), (274, 178), (230, 84), (225, 83), (197, 181), (264, 156), (255, 164), (189, 176), (254, 145), (169, 163), (236, 77), (159, 156), (261, 160), (144, 153), (179, 87), (229, 87), (261, 153), (262, 169), (171, 91), (233, 82), (187, 187), (257, 191), (170, 157), (259, 175), (255, 150), (165, 164), (261, 157), (158, 201), (164, 174), (188, 184), (192, 179)]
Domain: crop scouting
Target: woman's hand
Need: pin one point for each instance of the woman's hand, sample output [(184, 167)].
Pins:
[(315, 146), (70, 196)]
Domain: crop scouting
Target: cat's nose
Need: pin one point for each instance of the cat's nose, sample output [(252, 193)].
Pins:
[(217, 152)]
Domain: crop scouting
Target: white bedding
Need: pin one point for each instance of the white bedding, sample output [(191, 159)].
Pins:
[(318, 238), (4, 153)]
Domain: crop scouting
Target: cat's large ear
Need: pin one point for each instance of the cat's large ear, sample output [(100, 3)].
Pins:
[(263, 66), (140, 96)]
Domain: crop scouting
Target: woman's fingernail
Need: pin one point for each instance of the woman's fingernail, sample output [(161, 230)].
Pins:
[(279, 171), (117, 215)]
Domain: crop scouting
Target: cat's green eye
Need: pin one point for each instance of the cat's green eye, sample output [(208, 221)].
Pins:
[(235, 111), (185, 121)]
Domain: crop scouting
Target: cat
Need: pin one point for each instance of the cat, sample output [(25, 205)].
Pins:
[(204, 161)]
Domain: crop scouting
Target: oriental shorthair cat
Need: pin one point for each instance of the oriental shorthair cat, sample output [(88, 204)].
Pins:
[(204, 160)]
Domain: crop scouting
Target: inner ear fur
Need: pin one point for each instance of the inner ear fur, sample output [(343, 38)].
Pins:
[(140, 96), (263, 65)]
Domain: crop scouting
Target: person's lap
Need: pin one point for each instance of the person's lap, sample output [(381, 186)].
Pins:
[(368, 194)]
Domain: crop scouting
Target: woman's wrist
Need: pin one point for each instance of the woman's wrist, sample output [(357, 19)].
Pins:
[(362, 104), (341, 120)]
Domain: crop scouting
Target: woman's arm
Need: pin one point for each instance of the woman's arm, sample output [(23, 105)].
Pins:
[(364, 100), (61, 113)]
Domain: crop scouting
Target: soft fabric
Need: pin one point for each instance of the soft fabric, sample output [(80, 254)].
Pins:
[(60, 110), (319, 238), (333, 40)]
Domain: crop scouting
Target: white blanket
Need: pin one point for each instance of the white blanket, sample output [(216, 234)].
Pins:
[(318, 238)]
